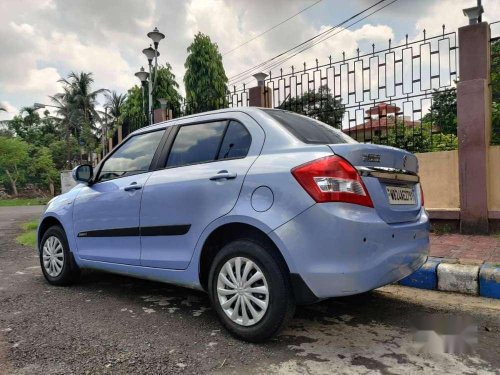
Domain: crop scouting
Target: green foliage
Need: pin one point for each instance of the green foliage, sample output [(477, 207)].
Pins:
[(42, 169), (166, 87), (205, 79), (495, 70), (420, 138), (59, 150), (495, 123), (443, 111), (28, 237), (320, 105), (23, 202), (14, 154), (133, 105)]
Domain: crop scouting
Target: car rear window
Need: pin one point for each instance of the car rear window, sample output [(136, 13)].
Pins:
[(308, 130)]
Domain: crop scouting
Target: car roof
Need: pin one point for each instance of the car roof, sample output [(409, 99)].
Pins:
[(248, 110)]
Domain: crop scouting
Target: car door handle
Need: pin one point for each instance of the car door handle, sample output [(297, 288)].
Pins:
[(223, 175), (132, 186)]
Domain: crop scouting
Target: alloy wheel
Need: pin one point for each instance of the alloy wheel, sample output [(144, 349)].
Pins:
[(53, 256), (243, 291)]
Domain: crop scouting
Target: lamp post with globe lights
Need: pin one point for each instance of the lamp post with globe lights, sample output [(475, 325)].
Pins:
[(150, 78)]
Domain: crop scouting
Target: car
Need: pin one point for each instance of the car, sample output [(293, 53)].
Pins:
[(264, 209)]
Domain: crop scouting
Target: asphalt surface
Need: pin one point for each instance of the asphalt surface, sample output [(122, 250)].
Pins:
[(114, 324)]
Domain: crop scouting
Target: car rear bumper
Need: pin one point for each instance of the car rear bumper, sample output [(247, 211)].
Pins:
[(341, 249)]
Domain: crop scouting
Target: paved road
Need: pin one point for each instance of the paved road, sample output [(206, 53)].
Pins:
[(112, 324)]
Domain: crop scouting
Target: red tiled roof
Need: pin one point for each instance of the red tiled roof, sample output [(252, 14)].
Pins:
[(382, 108), (385, 122)]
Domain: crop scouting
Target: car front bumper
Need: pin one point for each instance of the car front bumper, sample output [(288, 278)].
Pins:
[(342, 249)]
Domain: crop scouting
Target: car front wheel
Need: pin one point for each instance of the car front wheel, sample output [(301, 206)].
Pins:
[(58, 266), (250, 290)]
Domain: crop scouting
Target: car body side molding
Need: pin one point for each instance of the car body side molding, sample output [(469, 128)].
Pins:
[(166, 230)]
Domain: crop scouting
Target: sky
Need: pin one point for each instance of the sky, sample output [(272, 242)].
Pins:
[(43, 41)]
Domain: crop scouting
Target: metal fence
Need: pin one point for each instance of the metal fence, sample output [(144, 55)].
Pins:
[(400, 95), (132, 123)]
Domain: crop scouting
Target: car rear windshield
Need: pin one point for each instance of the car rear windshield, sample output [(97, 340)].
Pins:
[(308, 130)]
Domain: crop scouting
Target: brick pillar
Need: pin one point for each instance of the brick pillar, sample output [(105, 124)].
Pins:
[(162, 114), (474, 126), (260, 96), (120, 134)]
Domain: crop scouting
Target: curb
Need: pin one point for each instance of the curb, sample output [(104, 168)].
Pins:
[(451, 275)]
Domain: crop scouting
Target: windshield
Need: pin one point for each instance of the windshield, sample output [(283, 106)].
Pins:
[(307, 129)]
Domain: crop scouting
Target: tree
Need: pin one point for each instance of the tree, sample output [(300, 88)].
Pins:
[(418, 138), (443, 111), (42, 169), (26, 124), (83, 102), (495, 70), (114, 103), (166, 87), (134, 104), (205, 79), (320, 105), (14, 154), (67, 119)]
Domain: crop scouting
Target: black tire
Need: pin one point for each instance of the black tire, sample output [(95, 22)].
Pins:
[(281, 306), (70, 271)]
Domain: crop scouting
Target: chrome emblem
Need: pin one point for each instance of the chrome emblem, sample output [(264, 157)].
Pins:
[(374, 158)]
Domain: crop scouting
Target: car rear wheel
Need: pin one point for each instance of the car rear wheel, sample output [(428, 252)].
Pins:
[(250, 290), (56, 260)]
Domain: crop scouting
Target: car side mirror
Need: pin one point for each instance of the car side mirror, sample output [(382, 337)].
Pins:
[(82, 173)]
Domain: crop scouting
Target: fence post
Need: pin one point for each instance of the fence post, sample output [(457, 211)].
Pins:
[(120, 134), (474, 126), (260, 95), (162, 114)]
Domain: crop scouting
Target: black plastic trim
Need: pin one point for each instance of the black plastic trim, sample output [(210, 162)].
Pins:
[(165, 230), (303, 295)]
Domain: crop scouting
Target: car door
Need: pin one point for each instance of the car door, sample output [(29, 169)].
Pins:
[(106, 213), (203, 175)]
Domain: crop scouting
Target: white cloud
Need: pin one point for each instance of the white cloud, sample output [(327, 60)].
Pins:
[(37, 80), (23, 28), (42, 41), (11, 111)]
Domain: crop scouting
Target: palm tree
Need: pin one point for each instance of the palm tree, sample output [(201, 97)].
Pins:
[(67, 118), (83, 100), (114, 102)]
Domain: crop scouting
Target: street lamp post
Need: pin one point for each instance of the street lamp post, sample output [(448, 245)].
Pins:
[(143, 77), (150, 78)]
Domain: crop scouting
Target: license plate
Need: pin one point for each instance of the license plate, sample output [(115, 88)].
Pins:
[(400, 195)]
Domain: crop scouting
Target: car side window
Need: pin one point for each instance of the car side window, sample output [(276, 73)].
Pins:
[(133, 157), (196, 143), (236, 142)]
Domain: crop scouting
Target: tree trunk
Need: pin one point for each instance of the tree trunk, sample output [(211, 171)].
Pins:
[(68, 148), (52, 189), (12, 183)]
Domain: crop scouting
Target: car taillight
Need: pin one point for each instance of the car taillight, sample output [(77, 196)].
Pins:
[(421, 195), (332, 179)]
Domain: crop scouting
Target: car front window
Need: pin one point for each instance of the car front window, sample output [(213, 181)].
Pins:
[(133, 157)]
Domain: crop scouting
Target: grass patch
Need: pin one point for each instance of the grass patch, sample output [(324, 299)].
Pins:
[(23, 202), (28, 237)]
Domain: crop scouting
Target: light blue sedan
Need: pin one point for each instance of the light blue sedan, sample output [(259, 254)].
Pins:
[(262, 208)]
